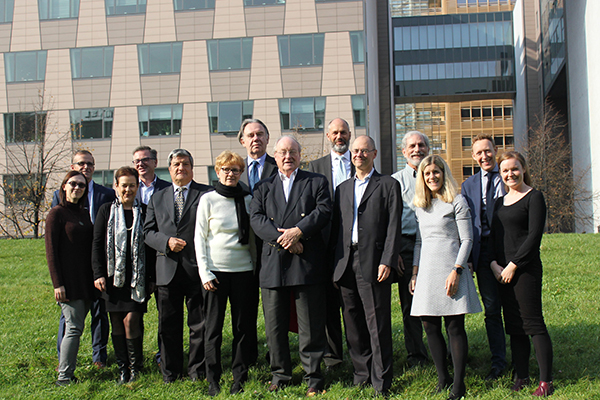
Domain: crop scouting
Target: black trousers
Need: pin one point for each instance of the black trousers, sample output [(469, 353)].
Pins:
[(170, 299), (238, 288), (312, 343), (368, 319)]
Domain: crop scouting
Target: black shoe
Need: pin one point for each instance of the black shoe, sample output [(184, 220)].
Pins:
[(457, 396), (236, 388), (65, 382), (442, 386), (214, 389), (135, 350), (494, 374)]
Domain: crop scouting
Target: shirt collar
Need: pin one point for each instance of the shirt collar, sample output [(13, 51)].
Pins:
[(151, 183), (261, 160), (367, 177), (345, 156), (175, 187), (486, 173), (284, 178)]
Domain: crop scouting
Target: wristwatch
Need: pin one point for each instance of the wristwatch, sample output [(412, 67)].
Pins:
[(458, 270)]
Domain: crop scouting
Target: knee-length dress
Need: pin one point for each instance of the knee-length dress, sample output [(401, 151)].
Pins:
[(517, 231), (444, 239)]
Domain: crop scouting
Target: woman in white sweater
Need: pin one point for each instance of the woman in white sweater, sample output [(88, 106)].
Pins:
[(224, 247)]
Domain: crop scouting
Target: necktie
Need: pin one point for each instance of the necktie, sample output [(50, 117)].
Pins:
[(340, 176), (489, 196), (253, 174), (179, 202)]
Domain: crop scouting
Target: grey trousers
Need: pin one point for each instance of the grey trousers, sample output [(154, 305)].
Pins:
[(74, 312)]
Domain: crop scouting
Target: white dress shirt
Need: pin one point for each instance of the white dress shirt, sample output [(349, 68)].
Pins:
[(359, 191), (287, 183)]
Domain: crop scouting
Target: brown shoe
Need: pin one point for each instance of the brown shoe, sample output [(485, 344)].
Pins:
[(273, 388), (312, 392), (99, 364)]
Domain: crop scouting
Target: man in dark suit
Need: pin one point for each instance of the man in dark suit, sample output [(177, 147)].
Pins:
[(336, 167), (481, 191), (84, 162), (288, 212), (145, 160), (169, 229), (254, 136), (366, 233)]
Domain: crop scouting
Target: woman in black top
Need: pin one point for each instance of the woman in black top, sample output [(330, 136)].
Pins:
[(517, 229), (120, 271)]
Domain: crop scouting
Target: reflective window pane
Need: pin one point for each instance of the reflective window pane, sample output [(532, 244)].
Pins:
[(358, 46), (193, 4), (122, 7), (160, 58), (25, 66)]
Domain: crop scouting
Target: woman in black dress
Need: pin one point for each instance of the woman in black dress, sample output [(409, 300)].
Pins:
[(517, 229), (120, 271)]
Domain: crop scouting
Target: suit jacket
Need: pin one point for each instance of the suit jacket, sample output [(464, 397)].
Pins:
[(158, 186), (160, 226), (269, 169), (101, 195), (379, 226), (471, 189), (308, 208), (323, 166)]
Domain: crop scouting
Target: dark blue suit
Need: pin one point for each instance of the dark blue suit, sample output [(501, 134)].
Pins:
[(481, 258), (99, 325)]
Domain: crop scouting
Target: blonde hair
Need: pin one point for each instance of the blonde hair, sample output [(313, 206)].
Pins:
[(229, 158), (447, 193)]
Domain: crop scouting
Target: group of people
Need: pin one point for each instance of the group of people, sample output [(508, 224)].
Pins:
[(317, 242)]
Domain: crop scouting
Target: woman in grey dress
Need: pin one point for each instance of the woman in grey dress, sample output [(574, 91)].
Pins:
[(439, 286)]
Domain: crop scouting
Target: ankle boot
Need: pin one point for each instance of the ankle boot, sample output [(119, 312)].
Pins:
[(136, 357), (120, 346)]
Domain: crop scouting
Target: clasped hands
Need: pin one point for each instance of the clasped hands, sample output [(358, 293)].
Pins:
[(290, 240), (503, 275)]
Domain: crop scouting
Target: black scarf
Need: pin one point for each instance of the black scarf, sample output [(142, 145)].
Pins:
[(237, 193)]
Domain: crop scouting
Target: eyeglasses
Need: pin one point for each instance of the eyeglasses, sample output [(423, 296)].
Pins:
[(235, 171), (79, 185), (364, 152), (144, 160), (84, 163)]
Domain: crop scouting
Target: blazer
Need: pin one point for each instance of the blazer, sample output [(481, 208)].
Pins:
[(471, 189), (323, 166), (379, 226), (308, 208), (160, 226), (102, 195), (158, 186), (269, 169)]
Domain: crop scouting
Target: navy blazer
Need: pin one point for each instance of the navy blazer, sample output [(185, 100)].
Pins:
[(102, 195), (471, 189), (269, 169), (308, 208), (160, 226), (379, 223)]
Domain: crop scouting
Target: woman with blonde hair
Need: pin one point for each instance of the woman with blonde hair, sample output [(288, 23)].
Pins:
[(439, 286), (517, 229)]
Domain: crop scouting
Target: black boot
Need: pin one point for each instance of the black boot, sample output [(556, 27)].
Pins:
[(136, 357), (120, 346)]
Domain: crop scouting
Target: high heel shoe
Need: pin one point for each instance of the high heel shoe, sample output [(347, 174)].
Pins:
[(545, 389), (458, 395)]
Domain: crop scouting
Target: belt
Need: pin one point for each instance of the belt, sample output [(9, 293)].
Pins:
[(354, 246)]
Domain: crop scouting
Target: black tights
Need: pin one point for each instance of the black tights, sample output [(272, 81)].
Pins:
[(455, 326), (521, 349), (127, 323)]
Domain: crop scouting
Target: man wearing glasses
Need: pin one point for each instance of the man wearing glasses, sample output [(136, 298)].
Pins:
[(145, 160), (83, 161)]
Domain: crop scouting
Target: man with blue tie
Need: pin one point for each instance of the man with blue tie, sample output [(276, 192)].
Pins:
[(83, 161), (481, 191), (254, 136)]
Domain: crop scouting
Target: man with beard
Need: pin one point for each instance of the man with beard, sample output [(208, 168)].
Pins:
[(415, 147), (336, 167)]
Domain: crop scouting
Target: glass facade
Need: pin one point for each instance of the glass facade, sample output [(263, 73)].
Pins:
[(553, 40), (193, 4), (58, 9), (92, 123), (453, 54), (306, 113), (160, 120), (160, 58), (92, 62), (6, 10), (25, 66), (123, 7), (24, 127), (297, 50), (227, 116), (225, 54)]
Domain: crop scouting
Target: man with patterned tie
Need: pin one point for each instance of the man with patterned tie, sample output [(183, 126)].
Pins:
[(254, 136), (169, 229), (481, 191), (336, 167)]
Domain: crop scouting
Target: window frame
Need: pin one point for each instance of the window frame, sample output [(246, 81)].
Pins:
[(264, 3), (285, 44), (7, 9), (179, 5), (106, 122), (213, 48), (10, 127), (245, 105), (361, 113), (111, 8), (147, 54), (22, 183), (44, 10), (41, 57), (77, 66), (175, 109), (318, 116)]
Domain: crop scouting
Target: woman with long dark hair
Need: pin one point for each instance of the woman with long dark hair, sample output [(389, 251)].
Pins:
[(517, 229), (69, 233)]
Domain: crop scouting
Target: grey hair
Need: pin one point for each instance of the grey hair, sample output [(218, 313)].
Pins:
[(251, 121), (180, 153), (290, 137), (153, 152), (413, 133)]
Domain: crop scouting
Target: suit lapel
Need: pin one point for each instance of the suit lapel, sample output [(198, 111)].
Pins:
[(300, 183), (371, 186), (191, 197), (169, 203), (278, 195)]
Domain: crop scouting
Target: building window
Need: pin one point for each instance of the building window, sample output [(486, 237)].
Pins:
[(20, 189), (487, 113), (466, 143), (476, 114), (297, 50), (25, 66), (6, 10), (92, 62), (104, 178), (226, 54), (24, 127), (357, 42), (227, 117), (508, 112), (193, 4), (509, 140), (58, 9), (306, 113), (499, 141), (160, 58), (122, 7), (262, 2), (92, 123), (465, 114), (360, 111), (160, 120)]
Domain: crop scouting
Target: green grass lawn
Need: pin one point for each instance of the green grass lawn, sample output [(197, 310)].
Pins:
[(29, 318)]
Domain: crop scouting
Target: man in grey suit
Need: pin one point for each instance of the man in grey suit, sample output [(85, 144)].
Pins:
[(254, 136), (366, 232), (336, 167), (288, 212), (145, 161), (169, 229)]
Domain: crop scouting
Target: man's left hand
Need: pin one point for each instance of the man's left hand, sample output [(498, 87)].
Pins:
[(289, 237), (383, 273)]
